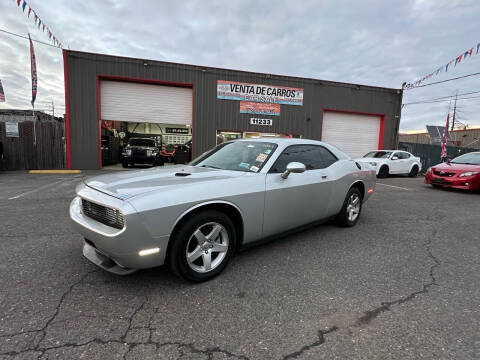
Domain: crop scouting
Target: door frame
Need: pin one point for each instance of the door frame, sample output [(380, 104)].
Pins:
[(381, 132), (133, 80)]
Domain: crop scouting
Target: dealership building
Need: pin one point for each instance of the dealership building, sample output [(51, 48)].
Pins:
[(110, 99)]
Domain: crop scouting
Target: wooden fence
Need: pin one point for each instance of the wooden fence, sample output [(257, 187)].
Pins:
[(20, 153)]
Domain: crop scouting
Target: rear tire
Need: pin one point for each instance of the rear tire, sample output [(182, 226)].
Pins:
[(202, 246), (351, 209), (383, 172), (413, 172)]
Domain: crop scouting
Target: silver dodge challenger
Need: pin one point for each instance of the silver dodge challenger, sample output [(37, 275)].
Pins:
[(194, 217)]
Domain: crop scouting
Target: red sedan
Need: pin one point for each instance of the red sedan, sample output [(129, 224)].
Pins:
[(462, 172)]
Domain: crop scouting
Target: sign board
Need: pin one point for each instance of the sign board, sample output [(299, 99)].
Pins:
[(263, 122), (11, 129), (232, 90), (170, 130), (249, 107)]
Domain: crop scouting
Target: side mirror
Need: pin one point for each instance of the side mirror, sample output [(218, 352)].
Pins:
[(293, 167), (394, 157)]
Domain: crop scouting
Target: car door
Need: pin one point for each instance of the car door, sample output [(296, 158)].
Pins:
[(301, 198), (407, 162), (396, 163)]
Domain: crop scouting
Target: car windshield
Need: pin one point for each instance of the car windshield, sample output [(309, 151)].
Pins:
[(378, 154), (237, 156), (141, 142), (470, 159)]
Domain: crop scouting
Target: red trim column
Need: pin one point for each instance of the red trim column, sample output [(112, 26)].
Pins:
[(99, 119), (67, 111), (381, 132)]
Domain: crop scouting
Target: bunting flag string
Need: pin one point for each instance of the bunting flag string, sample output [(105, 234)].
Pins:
[(39, 22), (463, 56)]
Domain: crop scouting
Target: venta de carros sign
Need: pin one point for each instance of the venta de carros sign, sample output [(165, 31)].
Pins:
[(232, 90)]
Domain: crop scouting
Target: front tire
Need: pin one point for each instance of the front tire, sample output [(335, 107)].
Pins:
[(383, 172), (351, 209), (414, 171), (202, 246)]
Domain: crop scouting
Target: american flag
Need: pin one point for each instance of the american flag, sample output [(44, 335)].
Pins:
[(2, 94), (444, 139)]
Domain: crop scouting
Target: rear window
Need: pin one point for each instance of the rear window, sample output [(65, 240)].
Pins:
[(141, 142)]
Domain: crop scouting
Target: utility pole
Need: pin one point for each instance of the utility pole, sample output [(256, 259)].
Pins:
[(454, 112), (53, 110)]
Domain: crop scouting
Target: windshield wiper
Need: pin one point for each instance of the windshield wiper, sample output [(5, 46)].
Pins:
[(210, 166)]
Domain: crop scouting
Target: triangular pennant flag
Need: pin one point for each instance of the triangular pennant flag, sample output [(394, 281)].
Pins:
[(39, 22), (29, 11), (23, 5), (458, 59), (43, 27), (478, 46), (18, 2), (470, 51)]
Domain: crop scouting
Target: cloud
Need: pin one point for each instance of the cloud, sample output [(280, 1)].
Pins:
[(370, 42)]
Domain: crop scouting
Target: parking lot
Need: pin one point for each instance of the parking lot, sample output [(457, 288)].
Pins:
[(402, 284)]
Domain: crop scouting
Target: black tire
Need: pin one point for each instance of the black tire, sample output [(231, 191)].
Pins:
[(413, 172), (180, 240), (124, 164), (383, 172), (342, 217)]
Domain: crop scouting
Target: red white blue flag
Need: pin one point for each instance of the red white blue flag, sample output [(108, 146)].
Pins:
[(34, 71), (444, 139), (2, 94)]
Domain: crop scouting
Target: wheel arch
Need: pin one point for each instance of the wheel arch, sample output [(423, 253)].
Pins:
[(360, 185), (230, 209)]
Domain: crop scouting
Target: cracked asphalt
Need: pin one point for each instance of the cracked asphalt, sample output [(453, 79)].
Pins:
[(402, 284)]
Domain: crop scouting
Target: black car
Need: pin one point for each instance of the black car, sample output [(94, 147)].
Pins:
[(141, 151)]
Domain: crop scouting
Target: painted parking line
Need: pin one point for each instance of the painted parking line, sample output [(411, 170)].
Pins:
[(36, 189), (393, 186)]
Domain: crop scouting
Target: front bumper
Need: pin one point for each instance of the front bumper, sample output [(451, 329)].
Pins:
[(122, 246), (141, 159), (466, 183)]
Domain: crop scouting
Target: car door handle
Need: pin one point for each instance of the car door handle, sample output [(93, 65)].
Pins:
[(324, 176)]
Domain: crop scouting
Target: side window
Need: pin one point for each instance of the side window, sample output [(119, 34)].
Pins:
[(312, 156), (397, 154), (405, 155)]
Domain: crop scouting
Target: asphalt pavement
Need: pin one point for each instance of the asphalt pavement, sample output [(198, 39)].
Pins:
[(402, 284)]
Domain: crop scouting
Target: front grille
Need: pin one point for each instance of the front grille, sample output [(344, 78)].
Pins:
[(105, 215), (139, 152), (443, 173)]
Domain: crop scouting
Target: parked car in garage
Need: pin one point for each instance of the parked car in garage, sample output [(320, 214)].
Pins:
[(386, 162), (463, 172), (141, 151), (167, 152), (194, 217)]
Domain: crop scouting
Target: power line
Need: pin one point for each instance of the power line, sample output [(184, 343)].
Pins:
[(25, 37), (439, 82), (438, 101), (451, 96)]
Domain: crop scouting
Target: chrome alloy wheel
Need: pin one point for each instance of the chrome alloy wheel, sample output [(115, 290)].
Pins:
[(207, 247), (353, 207)]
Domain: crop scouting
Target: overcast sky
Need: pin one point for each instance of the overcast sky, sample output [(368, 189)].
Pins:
[(382, 43)]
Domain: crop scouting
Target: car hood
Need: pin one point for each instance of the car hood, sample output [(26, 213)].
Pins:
[(141, 147), (127, 184), (451, 167)]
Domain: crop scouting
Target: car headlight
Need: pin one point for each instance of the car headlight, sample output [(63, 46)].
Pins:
[(429, 169), (468, 173), (149, 152), (129, 152), (373, 163)]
